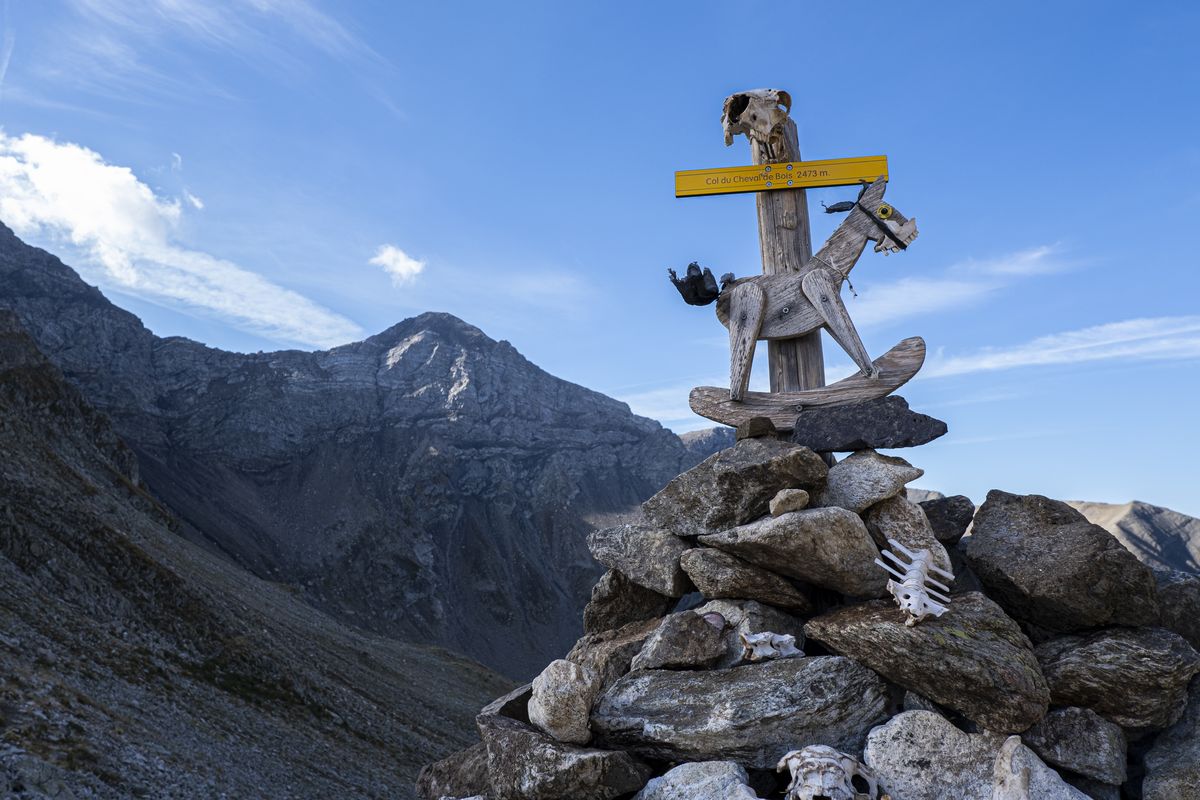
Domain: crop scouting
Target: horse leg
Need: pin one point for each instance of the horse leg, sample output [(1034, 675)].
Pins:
[(747, 304), (821, 289)]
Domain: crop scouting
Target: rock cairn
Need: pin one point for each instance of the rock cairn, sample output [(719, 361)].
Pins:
[(743, 629)]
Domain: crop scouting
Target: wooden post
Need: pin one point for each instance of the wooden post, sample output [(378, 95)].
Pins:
[(783, 233)]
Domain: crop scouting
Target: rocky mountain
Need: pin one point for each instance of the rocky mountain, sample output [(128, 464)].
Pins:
[(428, 483), (1158, 536), (136, 664)]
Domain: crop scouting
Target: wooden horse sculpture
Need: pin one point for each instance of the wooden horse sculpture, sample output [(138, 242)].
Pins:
[(787, 305)]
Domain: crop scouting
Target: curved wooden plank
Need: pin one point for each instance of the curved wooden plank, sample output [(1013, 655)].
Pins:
[(745, 318), (896, 367)]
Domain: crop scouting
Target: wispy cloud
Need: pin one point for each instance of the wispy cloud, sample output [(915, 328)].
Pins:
[(70, 194), (395, 262)]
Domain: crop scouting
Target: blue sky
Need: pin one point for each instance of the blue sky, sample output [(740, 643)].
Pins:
[(259, 174)]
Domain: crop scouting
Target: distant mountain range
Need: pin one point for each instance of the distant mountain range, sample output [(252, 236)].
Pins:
[(1158, 536), (136, 664), (427, 483)]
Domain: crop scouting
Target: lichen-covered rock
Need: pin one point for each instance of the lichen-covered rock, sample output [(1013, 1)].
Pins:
[(827, 547), (700, 780), (786, 500), (1080, 740), (747, 617), (898, 518), (562, 701), (1173, 764), (1136, 678), (646, 555), (460, 774), (734, 486), (862, 479), (609, 653), (750, 714), (1179, 603), (1018, 774), (973, 660), (682, 641), (617, 601), (949, 516), (717, 575), (1044, 563), (884, 423)]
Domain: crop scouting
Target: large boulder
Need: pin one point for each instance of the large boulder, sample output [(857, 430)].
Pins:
[(883, 423), (903, 520), (1080, 740), (646, 555), (459, 774), (751, 714), (1046, 564), (919, 755), (609, 653), (682, 641), (1173, 764), (717, 575), (1179, 603), (827, 547), (562, 701), (862, 479), (1136, 678), (973, 659), (747, 617), (617, 601), (734, 486), (700, 780), (949, 516)]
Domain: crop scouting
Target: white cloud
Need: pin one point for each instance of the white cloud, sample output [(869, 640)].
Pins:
[(400, 265), (70, 194), (193, 201)]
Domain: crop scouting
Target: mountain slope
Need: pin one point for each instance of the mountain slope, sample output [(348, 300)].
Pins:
[(428, 482), (137, 664), (1158, 536)]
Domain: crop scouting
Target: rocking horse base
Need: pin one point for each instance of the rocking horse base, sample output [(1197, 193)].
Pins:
[(896, 367)]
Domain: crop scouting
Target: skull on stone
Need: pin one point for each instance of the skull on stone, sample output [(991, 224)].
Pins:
[(758, 113), (822, 773), (767, 646)]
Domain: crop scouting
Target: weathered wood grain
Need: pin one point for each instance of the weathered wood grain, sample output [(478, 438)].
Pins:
[(745, 318), (895, 367), (821, 288)]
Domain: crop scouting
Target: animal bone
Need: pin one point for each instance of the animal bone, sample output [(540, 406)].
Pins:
[(758, 113), (917, 594), (766, 645), (819, 771)]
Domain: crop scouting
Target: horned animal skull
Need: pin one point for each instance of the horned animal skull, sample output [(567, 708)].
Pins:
[(819, 771), (768, 646), (757, 113)]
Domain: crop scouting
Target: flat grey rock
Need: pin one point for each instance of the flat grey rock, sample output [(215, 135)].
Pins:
[(646, 555), (903, 520), (700, 780), (862, 479), (1179, 603), (949, 516), (734, 486), (973, 659), (609, 653), (1173, 764), (1018, 774), (718, 575), (460, 774), (617, 601), (681, 641), (751, 714), (1080, 740), (747, 617), (827, 547), (1137, 678), (1044, 563), (884, 423)]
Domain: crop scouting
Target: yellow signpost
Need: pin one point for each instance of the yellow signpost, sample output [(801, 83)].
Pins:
[(768, 177)]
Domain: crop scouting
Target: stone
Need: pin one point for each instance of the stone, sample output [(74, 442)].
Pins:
[(1044, 563), (751, 714), (734, 486), (646, 555), (617, 601), (1179, 603), (1173, 763), (949, 516), (1136, 678), (682, 641), (973, 660), (562, 701), (717, 574), (700, 780), (458, 775), (884, 423), (1094, 789), (919, 755), (898, 518), (827, 547), (754, 428), (749, 617), (525, 764), (609, 653), (862, 479), (1080, 740), (786, 500)]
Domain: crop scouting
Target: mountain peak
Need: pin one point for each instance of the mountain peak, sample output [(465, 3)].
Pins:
[(439, 322)]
